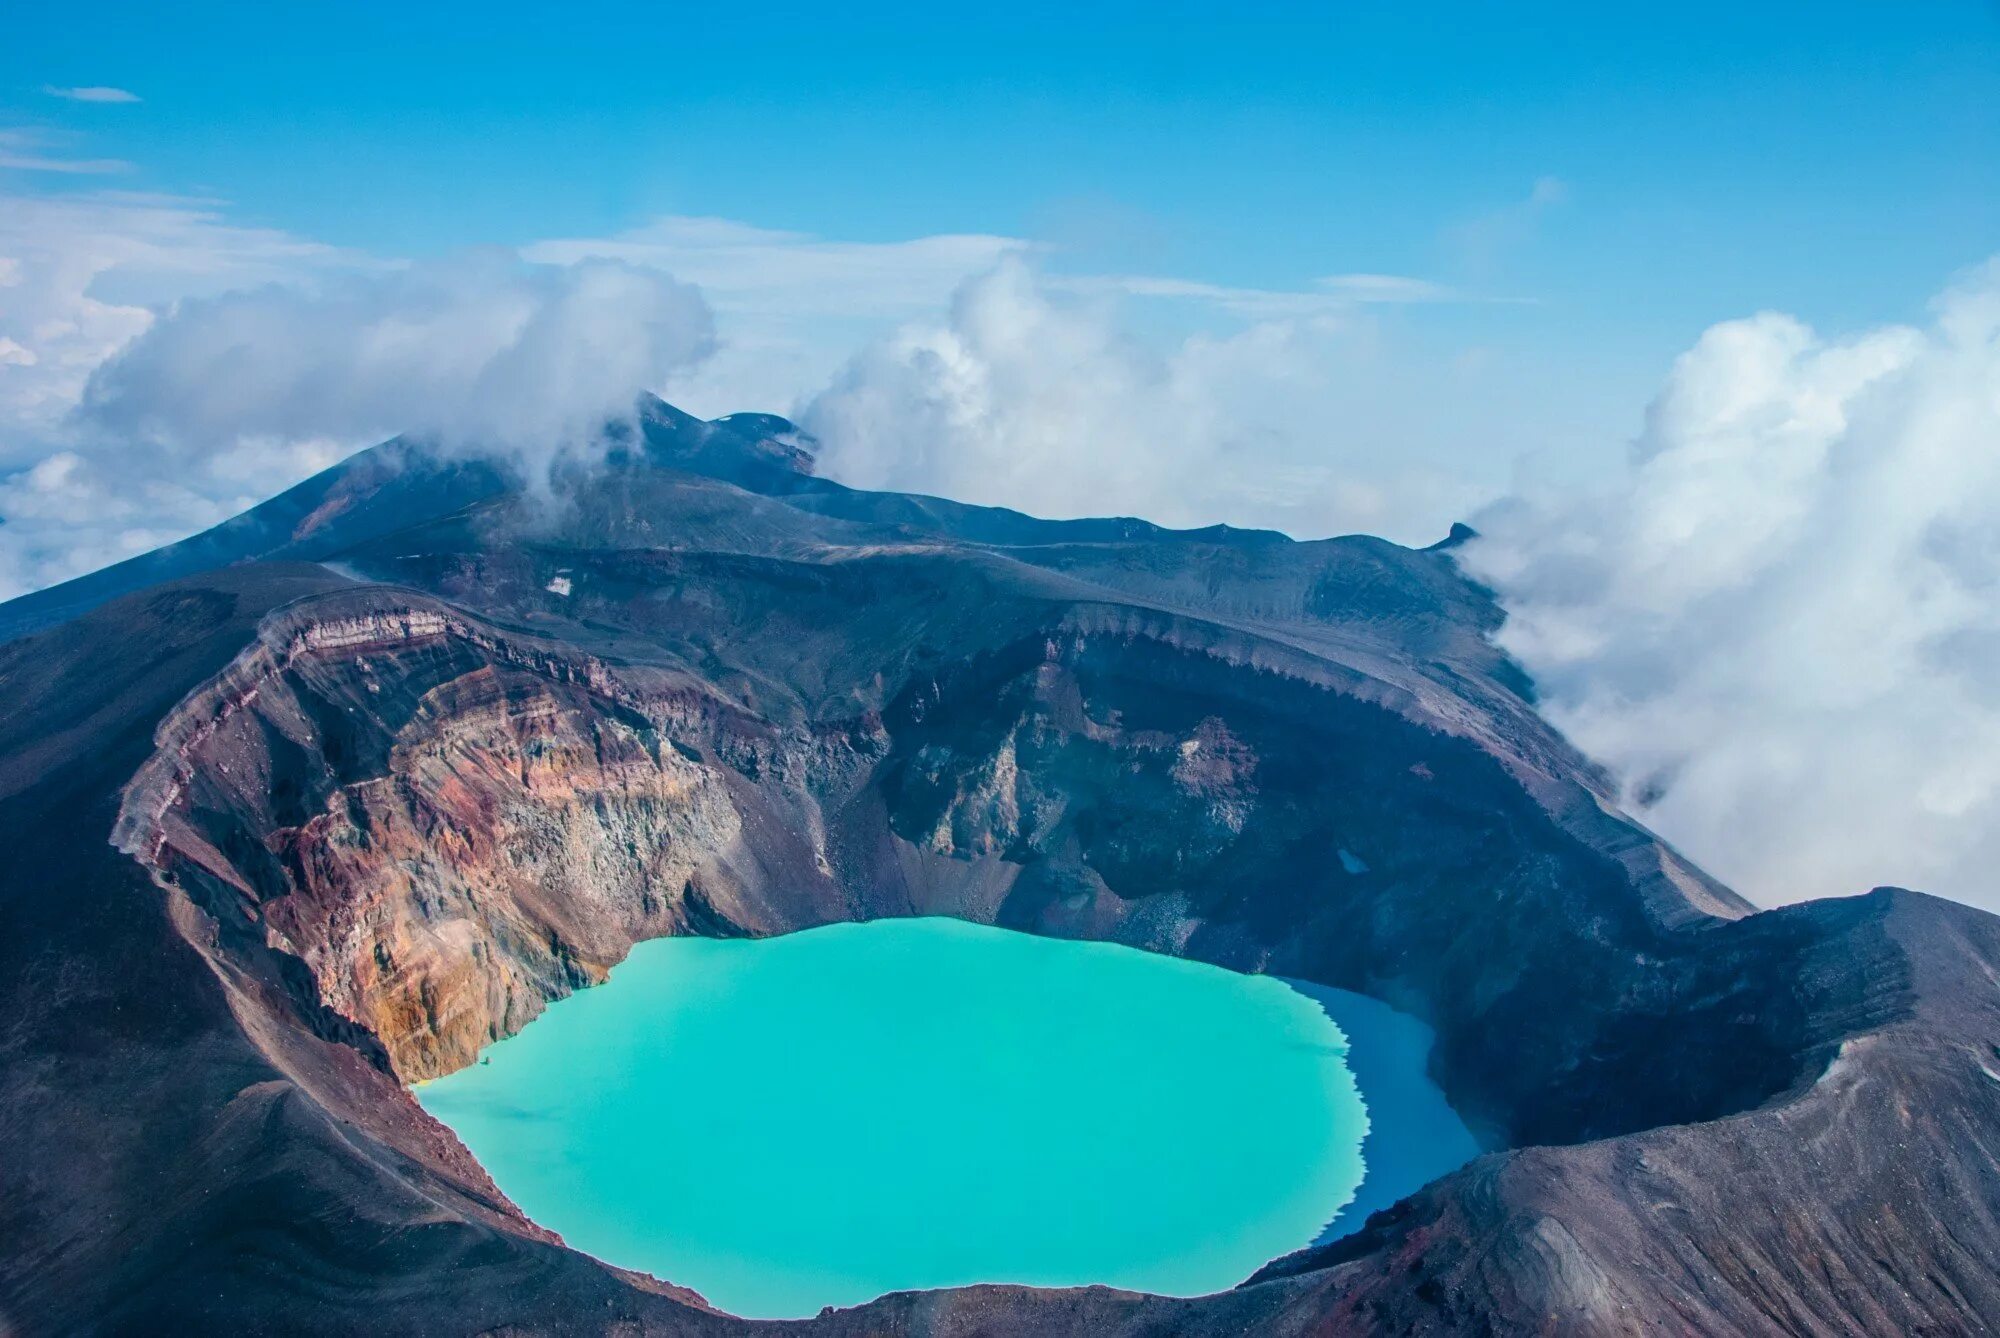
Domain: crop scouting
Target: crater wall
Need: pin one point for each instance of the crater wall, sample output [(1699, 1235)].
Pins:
[(431, 827)]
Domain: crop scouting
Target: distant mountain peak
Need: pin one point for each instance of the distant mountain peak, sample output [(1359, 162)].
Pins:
[(1461, 534), (731, 447)]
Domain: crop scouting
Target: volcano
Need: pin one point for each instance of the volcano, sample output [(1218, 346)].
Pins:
[(320, 803)]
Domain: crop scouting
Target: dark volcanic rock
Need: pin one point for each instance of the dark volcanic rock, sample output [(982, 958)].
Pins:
[(284, 835)]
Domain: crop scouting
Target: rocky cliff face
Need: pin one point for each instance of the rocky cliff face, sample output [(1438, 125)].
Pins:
[(371, 817), (448, 829), (448, 826)]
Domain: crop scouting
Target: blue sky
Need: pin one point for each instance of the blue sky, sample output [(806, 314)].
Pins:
[(1833, 159)]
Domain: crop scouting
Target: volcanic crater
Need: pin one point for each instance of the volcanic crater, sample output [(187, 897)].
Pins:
[(404, 770)]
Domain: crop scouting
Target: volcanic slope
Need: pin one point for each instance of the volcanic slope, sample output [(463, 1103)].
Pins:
[(320, 802)]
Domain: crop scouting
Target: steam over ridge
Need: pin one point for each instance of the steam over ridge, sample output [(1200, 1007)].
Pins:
[(483, 351), (1780, 625), (202, 407)]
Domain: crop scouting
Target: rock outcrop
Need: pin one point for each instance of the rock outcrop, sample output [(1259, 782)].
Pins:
[(448, 831)]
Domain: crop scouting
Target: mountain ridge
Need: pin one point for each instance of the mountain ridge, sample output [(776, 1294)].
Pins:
[(757, 451)]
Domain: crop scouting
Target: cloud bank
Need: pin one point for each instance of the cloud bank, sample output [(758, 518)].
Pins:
[(82, 276), (128, 424), (1034, 393), (1782, 626), (480, 353)]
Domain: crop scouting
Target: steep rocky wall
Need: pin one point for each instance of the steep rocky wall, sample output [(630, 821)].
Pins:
[(446, 826), (1247, 815), (446, 829), (516, 848)]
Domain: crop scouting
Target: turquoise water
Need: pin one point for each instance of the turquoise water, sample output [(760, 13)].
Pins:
[(1414, 1136), (816, 1119)]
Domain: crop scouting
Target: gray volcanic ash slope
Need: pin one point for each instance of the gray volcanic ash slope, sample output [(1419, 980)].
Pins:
[(324, 800)]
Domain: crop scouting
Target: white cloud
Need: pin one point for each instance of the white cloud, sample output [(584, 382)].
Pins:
[(26, 151), (483, 352), (70, 513), (81, 275), (793, 307), (790, 306), (162, 369), (1782, 627), (1032, 396), (91, 93), (1333, 296)]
